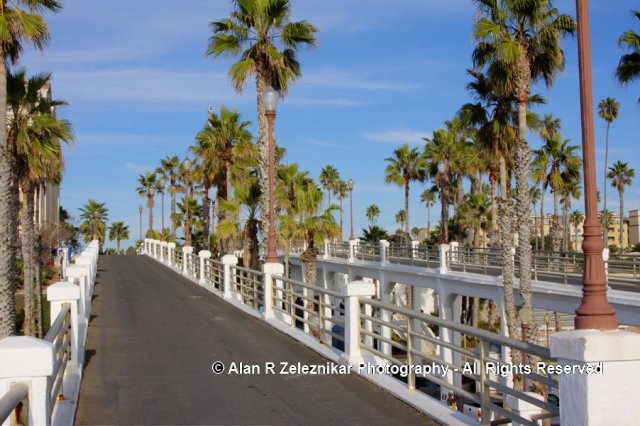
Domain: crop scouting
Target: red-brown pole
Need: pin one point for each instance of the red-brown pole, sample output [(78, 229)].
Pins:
[(595, 311), (272, 254), (352, 235), (162, 193)]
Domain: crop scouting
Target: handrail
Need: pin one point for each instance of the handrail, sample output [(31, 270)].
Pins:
[(10, 400), (56, 327)]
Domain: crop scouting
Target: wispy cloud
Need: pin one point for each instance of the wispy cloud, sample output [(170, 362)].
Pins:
[(317, 142), (397, 137), (138, 168), (340, 79)]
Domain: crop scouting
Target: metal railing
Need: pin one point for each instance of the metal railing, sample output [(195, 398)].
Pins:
[(420, 255), (366, 252), (249, 284), (340, 250), (474, 368), (177, 259), (317, 311), (214, 273), (60, 336), (11, 400)]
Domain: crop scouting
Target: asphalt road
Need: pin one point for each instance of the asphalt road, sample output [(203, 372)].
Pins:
[(152, 341)]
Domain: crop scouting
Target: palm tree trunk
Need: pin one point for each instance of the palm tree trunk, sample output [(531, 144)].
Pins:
[(428, 218), (542, 217), (7, 220), (206, 218), (38, 291), (117, 245), (605, 231), (555, 226), (263, 148), (173, 209), (406, 206), (621, 192), (565, 220), (26, 225), (494, 202), (341, 235), (150, 206)]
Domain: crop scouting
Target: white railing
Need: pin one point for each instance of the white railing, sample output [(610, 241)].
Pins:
[(48, 371)]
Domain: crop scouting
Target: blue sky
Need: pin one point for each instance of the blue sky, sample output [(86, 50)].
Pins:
[(384, 73)]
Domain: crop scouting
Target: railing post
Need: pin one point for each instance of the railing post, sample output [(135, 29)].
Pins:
[(384, 251), (31, 361), (325, 255), (146, 246), (271, 271), (444, 253), (59, 294), (203, 255), (186, 251), (605, 256), (601, 397), (414, 249), (163, 245), (171, 247), (228, 261), (352, 250), (352, 293), (81, 273)]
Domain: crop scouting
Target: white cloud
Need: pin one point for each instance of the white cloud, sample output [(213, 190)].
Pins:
[(317, 142), (138, 168), (397, 137)]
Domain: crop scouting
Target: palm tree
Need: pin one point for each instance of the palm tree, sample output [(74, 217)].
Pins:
[(608, 111), (329, 179), (576, 219), (372, 212), (406, 165), (621, 175), (628, 69), (571, 190), (147, 189), (170, 170), (540, 174), (401, 218), (374, 234), (95, 216), (342, 192), (520, 43), (428, 197), (34, 136), (22, 23), (606, 220), (118, 231), (535, 195), (261, 34)]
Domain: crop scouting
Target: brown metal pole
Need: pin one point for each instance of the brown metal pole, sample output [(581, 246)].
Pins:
[(352, 235), (187, 227), (595, 311), (272, 254)]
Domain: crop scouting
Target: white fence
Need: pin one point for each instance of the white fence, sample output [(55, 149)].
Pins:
[(40, 378)]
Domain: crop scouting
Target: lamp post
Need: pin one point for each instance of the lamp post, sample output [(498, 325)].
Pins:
[(595, 312), (525, 318), (270, 103), (161, 184), (140, 209), (442, 169), (186, 168), (151, 192), (350, 186)]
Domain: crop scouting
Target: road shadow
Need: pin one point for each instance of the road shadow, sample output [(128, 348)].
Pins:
[(88, 354)]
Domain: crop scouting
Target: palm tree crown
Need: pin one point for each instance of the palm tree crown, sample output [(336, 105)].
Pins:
[(628, 69), (95, 216), (118, 231), (621, 175)]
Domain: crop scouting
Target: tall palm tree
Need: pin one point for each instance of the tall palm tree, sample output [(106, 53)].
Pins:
[(372, 212), (539, 173), (342, 192), (329, 179), (576, 219), (169, 169), (606, 220), (535, 195), (428, 197), (94, 225), (628, 69), (22, 22), (147, 188), (34, 136), (608, 111), (621, 175), (406, 165), (266, 41), (118, 231), (401, 218), (571, 190), (519, 42)]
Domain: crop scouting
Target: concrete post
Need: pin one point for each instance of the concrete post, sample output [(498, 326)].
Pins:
[(186, 250), (384, 251), (352, 250), (445, 309), (146, 246), (28, 360), (227, 261), (352, 292), (605, 257), (602, 397), (80, 274), (171, 247), (270, 270), (163, 256), (325, 255), (203, 255), (87, 261), (59, 294), (414, 249), (444, 261)]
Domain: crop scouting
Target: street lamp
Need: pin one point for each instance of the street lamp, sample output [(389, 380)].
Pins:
[(352, 237), (186, 168), (270, 103), (595, 312), (161, 184), (442, 169), (140, 209), (525, 318)]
